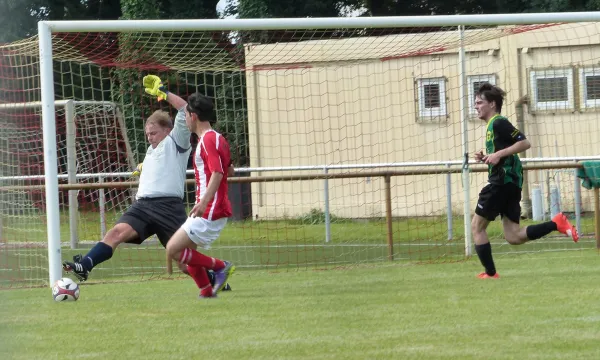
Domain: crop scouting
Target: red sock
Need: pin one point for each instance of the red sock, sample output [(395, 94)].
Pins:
[(207, 291), (193, 258), (199, 275)]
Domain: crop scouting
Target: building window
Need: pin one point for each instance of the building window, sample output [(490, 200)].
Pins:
[(552, 89), (474, 82), (589, 81), (432, 97)]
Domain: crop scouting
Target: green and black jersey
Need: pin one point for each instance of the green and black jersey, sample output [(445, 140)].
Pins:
[(500, 134)]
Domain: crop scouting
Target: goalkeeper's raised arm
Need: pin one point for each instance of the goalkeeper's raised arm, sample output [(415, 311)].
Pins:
[(153, 85), (181, 133)]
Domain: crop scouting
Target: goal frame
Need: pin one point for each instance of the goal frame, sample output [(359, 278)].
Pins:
[(46, 28)]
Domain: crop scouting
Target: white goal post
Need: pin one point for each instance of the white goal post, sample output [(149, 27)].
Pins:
[(47, 28)]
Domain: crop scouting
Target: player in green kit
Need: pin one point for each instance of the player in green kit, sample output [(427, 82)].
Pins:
[(502, 194)]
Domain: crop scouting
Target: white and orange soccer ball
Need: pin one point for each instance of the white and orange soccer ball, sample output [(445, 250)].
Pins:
[(65, 289)]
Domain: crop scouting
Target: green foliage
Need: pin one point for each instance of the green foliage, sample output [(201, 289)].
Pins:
[(127, 82), (169, 9), (562, 5), (19, 17), (442, 7), (592, 5), (141, 9), (81, 81), (248, 9), (232, 115), (291, 8), (317, 216), (227, 88), (315, 8), (18, 20), (127, 91), (192, 9)]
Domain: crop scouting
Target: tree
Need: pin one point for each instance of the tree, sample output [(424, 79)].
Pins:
[(316, 8), (20, 17), (290, 8)]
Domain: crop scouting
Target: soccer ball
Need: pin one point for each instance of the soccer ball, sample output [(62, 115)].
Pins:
[(65, 289)]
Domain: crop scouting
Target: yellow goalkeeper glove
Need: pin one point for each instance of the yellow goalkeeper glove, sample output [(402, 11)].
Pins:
[(138, 171), (154, 86)]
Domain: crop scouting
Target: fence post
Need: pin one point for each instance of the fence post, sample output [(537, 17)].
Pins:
[(554, 200), (449, 202), (577, 191), (102, 206), (72, 172), (597, 217), (537, 207), (388, 216), (326, 199)]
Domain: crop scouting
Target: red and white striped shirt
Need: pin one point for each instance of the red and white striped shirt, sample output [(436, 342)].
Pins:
[(212, 155)]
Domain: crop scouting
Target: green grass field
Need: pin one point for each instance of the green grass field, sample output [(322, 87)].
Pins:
[(544, 306), (307, 229), (265, 245)]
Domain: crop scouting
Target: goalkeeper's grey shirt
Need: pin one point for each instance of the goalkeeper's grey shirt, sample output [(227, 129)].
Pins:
[(163, 172)]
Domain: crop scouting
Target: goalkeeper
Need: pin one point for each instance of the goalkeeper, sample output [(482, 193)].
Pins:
[(159, 209)]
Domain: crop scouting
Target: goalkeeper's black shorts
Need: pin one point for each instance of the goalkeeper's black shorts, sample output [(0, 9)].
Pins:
[(161, 216)]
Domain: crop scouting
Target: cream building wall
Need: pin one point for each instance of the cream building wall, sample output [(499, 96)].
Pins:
[(360, 101)]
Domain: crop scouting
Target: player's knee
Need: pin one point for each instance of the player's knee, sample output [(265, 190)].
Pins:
[(171, 250), (183, 268), (117, 235), (113, 237), (476, 226), (513, 238), (513, 232)]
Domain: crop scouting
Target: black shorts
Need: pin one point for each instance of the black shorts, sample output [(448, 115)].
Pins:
[(149, 216), (504, 200)]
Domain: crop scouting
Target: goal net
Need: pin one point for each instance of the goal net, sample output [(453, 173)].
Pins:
[(385, 113)]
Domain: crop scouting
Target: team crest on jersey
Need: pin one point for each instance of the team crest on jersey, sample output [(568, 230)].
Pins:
[(488, 136)]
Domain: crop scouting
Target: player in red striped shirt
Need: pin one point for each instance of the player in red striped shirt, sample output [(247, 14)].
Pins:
[(212, 166)]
